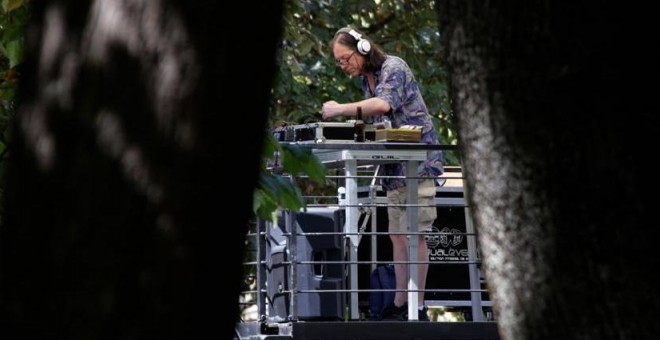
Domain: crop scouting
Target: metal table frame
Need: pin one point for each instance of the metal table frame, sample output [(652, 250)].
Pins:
[(354, 154)]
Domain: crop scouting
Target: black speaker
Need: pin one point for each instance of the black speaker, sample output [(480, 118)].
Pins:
[(314, 277)]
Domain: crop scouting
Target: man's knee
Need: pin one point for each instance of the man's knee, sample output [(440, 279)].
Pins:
[(398, 238)]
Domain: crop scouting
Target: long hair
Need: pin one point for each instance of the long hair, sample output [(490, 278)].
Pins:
[(374, 58)]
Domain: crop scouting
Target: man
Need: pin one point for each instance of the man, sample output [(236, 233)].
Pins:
[(392, 93)]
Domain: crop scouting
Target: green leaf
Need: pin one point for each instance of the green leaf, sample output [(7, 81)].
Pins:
[(14, 52), (299, 159), (281, 190), (263, 204), (10, 5), (313, 168)]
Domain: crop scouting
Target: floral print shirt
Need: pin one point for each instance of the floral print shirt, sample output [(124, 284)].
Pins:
[(396, 85)]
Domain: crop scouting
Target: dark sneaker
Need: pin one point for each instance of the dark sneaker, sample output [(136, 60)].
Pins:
[(423, 315), (392, 312)]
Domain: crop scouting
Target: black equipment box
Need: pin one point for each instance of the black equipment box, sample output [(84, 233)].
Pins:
[(321, 132)]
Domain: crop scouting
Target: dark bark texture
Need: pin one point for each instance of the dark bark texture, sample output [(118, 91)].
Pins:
[(557, 116), (124, 149)]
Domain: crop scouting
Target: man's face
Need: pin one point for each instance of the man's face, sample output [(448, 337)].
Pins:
[(347, 59)]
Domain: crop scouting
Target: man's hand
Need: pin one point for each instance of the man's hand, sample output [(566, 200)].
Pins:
[(331, 109)]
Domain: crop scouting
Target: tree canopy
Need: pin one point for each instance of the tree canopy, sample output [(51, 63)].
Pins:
[(307, 75)]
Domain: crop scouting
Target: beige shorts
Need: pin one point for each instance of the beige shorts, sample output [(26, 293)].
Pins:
[(426, 211)]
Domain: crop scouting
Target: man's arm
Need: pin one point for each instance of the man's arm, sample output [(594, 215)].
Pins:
[(370, 107)]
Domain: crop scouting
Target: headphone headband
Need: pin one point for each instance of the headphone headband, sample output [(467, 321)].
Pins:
[(355, 34), (363, 45)]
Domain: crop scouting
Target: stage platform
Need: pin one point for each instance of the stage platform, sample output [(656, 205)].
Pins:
[(368, 330), (310, 274)]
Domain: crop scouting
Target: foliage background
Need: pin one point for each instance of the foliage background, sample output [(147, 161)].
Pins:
[(307, 73)]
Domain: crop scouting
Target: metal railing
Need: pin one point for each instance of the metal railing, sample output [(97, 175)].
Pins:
[(291, 284)]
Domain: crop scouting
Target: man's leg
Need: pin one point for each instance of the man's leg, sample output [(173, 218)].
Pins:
[(398, 222), (398, 310), (427, 214), (400, 254), (422, 268)]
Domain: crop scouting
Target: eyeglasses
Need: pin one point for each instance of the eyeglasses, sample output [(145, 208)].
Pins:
[(344, 61)]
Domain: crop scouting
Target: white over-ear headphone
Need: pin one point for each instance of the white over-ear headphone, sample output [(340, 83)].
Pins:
[(363, 45)]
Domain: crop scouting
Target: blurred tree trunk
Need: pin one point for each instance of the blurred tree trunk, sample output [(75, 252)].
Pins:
[(557, 116), (124, 148)]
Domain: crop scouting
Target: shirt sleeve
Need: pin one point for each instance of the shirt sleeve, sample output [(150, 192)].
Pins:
[(391, 87)]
